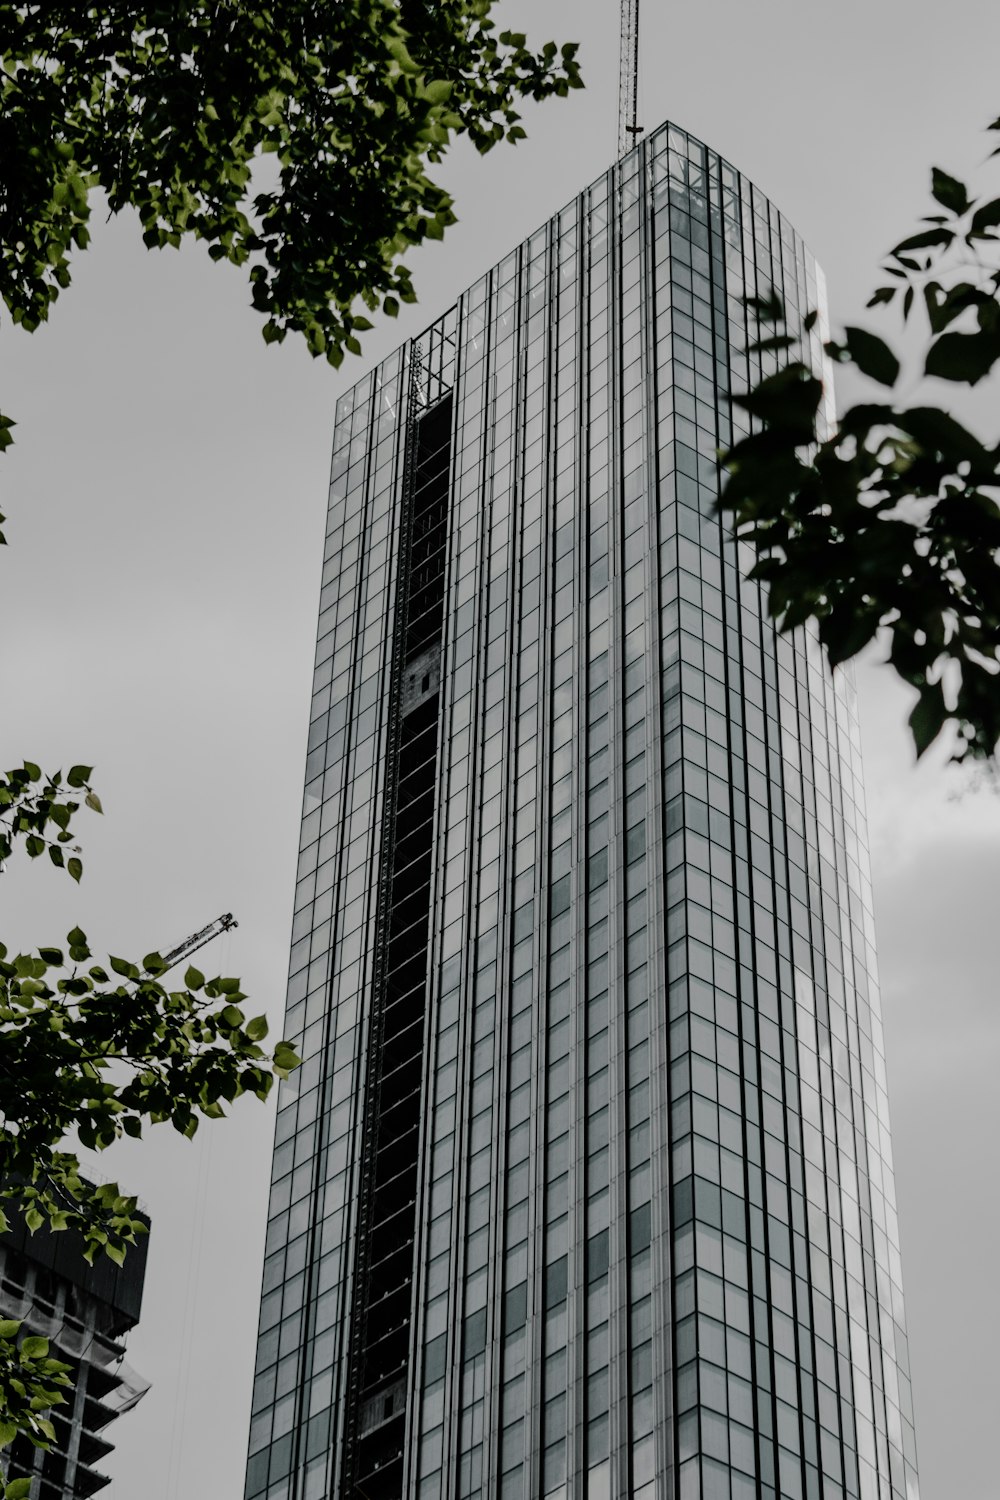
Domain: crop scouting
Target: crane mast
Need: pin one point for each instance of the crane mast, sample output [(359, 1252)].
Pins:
[(628, 78)]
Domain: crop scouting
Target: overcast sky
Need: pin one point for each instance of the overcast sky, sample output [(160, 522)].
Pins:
[(166, 497)]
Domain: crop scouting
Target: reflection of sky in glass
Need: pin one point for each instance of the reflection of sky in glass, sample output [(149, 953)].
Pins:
[(657, 1232)]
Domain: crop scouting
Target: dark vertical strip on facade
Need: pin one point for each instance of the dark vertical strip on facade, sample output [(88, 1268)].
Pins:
[(383, 1281)]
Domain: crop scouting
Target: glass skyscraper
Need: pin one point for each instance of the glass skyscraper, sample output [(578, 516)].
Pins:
[(584, 1188)]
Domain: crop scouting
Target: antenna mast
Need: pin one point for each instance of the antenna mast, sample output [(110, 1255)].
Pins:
[(628, 78)]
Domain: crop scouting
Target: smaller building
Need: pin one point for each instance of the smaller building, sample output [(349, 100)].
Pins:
[(85, 1312)]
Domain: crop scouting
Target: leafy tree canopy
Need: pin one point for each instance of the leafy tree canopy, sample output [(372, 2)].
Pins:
[(889, 522), (168, 108), (89, 1052), (94, 1051)]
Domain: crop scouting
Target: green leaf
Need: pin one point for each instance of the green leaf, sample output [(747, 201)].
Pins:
[(93, 801), (78, 949), (949, 192), (777, 343), (937, 432), (437, 92), (923, 241), (928, 716), (34, 772), (257, 1028), (768, 308), (985, 218), (964, 357), (18, 1489), (872, 355), (52, 956), (9, 1328), (844, 634), (33, 1219), (788, 401), (286, 1057), (396, 48), (194, 979), (34, 1348), (56, 856), (123, 967), (79, 775), (75, 867), (233, 1016)]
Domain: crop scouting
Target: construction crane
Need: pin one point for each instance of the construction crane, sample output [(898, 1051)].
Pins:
[(197, 940), (628, 78)]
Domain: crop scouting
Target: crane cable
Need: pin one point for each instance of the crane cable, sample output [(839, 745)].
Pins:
[(177, 1481)]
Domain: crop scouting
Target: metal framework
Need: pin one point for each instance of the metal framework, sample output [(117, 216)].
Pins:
[(379, 1349), (628, 78), (197, 940), (372, 1111)]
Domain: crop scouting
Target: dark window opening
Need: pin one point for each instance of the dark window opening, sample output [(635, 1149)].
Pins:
[(380, 1316)]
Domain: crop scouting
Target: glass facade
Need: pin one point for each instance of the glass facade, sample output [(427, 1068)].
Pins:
[(584, 1187)]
